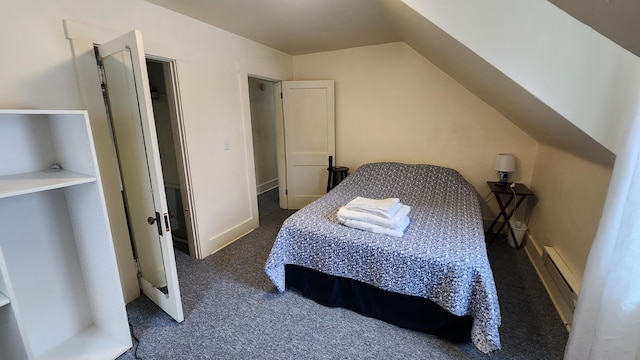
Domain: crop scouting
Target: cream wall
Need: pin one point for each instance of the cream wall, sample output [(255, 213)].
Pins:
[(571, 193), (394, 105), (37, 72)]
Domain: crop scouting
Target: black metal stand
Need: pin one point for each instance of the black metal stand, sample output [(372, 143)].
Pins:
[(520, 191), (336, 174)]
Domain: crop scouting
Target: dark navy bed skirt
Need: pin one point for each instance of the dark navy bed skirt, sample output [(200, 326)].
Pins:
[(406, 311)]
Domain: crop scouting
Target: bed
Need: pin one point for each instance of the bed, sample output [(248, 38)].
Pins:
[(435, 278)]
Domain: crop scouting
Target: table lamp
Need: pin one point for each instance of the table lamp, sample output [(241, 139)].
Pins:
[(505, 163)]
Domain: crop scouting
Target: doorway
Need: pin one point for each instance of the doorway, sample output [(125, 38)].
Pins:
[(171, 146), (293, 136), (263, 131), (169, 132)]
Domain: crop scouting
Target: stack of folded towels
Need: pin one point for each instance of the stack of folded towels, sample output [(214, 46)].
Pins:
[(383, 216)]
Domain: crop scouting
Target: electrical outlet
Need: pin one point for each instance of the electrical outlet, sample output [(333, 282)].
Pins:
[(513, 185)]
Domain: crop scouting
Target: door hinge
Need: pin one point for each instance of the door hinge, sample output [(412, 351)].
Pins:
[(286, 191), (281, 96), (138, 269)]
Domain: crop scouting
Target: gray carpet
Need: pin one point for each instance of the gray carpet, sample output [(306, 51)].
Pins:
[(232, 311)]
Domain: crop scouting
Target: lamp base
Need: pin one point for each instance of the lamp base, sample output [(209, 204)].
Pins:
[(504, 177)]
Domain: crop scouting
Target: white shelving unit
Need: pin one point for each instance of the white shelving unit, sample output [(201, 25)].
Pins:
[(60, 294)]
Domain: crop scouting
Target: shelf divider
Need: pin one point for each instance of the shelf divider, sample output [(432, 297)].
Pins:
[(26, 183)]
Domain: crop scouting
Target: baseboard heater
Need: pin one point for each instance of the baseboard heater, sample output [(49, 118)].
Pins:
[(567, 284)]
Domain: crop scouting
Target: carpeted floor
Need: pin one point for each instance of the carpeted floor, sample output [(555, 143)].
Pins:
[(232, 311)]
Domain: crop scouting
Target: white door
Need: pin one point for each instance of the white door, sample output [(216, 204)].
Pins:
[(131, 115), (309, 136)]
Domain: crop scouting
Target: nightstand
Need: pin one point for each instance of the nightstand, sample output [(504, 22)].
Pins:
[(519, 192)]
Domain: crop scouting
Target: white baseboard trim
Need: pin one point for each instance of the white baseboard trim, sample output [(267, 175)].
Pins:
[(266, 186), (535, 253), (218, 242)]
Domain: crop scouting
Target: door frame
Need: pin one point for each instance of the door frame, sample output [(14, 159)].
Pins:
[(278, 131), (281, 148), (172, 86), (243, 83)]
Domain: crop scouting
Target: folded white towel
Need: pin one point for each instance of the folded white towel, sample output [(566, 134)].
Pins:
[(346, 214), (398, 232), (386, 208)]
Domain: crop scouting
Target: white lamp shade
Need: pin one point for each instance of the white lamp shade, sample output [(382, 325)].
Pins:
[(505, 163)]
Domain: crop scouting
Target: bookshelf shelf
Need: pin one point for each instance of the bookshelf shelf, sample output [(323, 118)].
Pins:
[(26, 183)]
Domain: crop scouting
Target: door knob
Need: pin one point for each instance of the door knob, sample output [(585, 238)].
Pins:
[(156, 220)]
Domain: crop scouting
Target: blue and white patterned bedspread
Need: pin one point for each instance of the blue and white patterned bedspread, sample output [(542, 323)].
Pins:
[(442, 255)]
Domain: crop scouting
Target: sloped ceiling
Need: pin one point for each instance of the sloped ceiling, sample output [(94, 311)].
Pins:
[(303, 26), (295, 26), (619, 20)]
